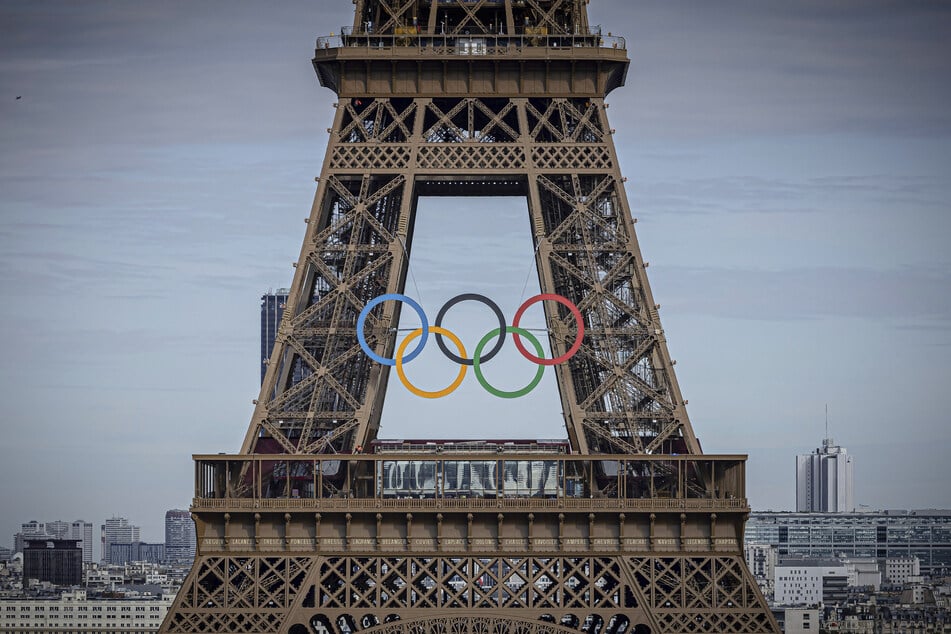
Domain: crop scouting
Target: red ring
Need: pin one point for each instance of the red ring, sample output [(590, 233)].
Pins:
[(574, 311)]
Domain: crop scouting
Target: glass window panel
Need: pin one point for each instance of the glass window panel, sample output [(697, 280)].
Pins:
[(409, 478), (301, 476)]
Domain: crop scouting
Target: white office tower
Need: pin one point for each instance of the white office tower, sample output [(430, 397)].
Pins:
[(83, 530), (804, 581), (117, 530), (761, 559), (78, 530), (824, 480), (179, 536)]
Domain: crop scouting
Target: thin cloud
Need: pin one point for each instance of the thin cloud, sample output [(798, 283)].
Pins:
[(844, 67), (810, 293), (748, 194)]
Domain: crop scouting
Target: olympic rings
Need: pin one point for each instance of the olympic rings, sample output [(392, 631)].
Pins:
[(401, 358), (578, 320), (476, 363), (379, 300), (412, 388), (478, 298)]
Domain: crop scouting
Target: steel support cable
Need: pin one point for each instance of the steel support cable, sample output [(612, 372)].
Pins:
[(409, 267)]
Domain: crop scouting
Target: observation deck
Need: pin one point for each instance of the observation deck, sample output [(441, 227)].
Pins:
[(427, 501), (460, 481), (527, 62)]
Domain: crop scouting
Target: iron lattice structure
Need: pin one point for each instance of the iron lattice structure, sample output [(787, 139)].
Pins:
[(631, 530)]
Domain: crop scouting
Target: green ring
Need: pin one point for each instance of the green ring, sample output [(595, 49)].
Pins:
[(478, 370)]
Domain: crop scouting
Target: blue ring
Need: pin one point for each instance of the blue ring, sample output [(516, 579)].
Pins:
[(396, 297)]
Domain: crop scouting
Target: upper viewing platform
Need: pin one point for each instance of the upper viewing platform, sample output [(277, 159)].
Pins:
[(449, 47), (526, 42), (431, 475)]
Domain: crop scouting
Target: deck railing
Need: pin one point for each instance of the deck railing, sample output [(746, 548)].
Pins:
[(447, 480), (469, 44)]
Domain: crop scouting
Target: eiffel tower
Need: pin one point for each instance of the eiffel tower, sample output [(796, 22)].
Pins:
[(317, 526)]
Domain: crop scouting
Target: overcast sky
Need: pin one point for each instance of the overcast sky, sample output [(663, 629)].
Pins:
[(788, 162)]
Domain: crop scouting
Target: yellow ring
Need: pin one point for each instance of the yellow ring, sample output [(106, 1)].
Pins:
[(439, 330)]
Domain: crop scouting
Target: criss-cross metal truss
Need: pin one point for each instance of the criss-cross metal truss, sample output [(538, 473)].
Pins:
[(635, 531), (472, 594), (619, 392), (470, 17)]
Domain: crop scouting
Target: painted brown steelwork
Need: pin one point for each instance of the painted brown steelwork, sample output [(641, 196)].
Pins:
[(544, 540), (468, 98), (619, 393)]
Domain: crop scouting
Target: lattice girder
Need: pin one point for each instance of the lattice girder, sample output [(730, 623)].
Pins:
[(469, 17), (238, 594), (666, 593), (361, 225)]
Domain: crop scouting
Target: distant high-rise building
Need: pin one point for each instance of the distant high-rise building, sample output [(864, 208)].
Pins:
[(117, 530), (272, 310), (58, 529), (824, 480), (121, 554), (78, 530), (31, 529), (58, 561), (179, 536), (761, 559), (81, 530)]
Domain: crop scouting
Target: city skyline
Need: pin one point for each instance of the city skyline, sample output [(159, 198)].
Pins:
[(178, 535), (789, 167)]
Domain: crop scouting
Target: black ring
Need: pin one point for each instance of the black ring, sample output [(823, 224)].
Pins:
[(478, 298)]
